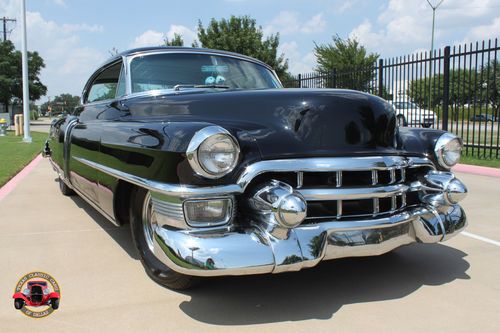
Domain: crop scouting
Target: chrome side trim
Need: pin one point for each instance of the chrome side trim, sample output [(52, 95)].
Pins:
[(319, 194), (183, 191), (67, 147)]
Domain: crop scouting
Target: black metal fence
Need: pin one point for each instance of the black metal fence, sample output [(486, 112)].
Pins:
[(455, 89)]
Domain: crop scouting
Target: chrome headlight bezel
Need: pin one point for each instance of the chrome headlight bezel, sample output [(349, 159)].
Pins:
[(196, 142), (442, 144)]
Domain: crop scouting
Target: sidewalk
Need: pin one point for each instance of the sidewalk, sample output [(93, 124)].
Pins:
[(453, 286)]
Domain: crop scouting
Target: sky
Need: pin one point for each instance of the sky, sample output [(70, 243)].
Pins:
[(74, 36)]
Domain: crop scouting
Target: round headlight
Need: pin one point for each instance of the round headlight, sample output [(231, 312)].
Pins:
[(448, 148), (213, 152)]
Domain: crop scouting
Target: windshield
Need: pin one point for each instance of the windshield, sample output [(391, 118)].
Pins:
[(167, 70)]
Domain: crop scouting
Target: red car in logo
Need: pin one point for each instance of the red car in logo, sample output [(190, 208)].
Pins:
[(36, 294)]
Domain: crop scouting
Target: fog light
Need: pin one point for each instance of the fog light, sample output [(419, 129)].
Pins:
[(208, 213)]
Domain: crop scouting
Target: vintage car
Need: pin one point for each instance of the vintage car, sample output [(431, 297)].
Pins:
[(410, 114), (221, 171), (36, 294)]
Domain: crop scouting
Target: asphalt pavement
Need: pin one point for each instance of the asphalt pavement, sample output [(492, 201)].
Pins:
[(452, 287)]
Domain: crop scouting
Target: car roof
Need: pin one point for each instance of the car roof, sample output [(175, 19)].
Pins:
[(178, 48)]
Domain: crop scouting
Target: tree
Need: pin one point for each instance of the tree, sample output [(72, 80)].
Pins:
[(11, 74), (176, 41), (61, 103), (8, 69), (490, 85), (354, 66), (242, 35)]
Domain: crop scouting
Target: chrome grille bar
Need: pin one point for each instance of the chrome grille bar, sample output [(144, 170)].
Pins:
[(374, 177), (376, 206), (325, 194), (393, 175), (300, 179), (338, 177)]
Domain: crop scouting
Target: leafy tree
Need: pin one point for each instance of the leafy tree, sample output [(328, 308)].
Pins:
[(8, 69), (176, 41), (61, 103), (11, 74), (354, 66), (428, 92), (490, 85), (242, 35)]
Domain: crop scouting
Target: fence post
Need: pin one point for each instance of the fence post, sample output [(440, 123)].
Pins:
[(334, 78), (300, 80), (381, 78), (446, 88)]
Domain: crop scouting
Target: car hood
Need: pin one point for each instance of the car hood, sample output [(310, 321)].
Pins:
[(284, 122)]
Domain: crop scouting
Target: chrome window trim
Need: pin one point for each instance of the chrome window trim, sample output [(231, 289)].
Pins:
[(83, 98)]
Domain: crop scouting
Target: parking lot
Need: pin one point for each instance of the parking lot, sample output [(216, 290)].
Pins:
[(453, 286)]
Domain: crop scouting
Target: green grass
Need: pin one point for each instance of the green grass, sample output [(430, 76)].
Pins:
[(16, 154), (492, 163)]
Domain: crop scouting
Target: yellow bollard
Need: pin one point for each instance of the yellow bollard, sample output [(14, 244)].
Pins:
[(21, 124), (16, 124)]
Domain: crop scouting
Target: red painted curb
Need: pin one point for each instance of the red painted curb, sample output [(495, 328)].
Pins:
[(477, 170), (11, 184)]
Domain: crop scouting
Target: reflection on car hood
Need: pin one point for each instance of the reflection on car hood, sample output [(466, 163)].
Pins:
[(285, 122)]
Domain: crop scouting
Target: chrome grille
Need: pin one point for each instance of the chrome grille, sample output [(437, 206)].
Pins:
[(359, 193)]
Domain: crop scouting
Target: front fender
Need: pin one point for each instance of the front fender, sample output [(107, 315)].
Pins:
[(54, 295), (20, 295)]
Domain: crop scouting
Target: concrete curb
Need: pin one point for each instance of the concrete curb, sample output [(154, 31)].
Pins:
[(11, 184), (477, 170)]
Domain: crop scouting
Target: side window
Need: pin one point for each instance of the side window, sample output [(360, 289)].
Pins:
[(105, 84)]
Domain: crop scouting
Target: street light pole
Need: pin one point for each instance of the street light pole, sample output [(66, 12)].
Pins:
[(26, 95), (434, 7), (433, 20)]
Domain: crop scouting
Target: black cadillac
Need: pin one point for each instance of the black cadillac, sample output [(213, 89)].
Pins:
[(221, 171)]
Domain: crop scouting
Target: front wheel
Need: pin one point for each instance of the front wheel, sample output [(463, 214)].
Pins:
[(18, 303), (142, 225), (65, 189), (54, 303)]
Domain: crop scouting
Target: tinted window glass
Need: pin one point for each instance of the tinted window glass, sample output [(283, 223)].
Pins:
[(104, 85), (164, 71)]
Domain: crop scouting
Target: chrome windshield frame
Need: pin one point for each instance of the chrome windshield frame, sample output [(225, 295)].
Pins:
[(128, 61)]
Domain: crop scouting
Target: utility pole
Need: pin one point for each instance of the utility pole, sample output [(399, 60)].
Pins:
[(24, 57), (5, 20)]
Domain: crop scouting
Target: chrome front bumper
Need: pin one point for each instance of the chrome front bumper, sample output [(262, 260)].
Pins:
[(258, 250)]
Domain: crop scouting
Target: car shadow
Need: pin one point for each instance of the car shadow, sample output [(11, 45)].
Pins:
[(318, 293), (121, 235)]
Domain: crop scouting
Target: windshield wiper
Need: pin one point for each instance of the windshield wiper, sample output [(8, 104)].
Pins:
[(178, 87)]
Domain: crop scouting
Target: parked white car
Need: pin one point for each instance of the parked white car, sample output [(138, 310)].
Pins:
[(410, 114)]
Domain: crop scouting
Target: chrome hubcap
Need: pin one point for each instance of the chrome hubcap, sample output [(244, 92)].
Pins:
[(148, 221)]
